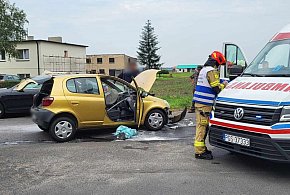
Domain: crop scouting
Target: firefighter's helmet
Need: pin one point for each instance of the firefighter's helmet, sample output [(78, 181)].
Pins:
[(219, 57)]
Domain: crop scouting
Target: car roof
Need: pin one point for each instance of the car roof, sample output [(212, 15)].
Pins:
[(41, 78), (66, 76)]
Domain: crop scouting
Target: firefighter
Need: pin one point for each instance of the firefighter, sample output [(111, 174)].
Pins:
[(207, 88), (193, 79)]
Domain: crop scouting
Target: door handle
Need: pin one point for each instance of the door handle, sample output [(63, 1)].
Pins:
[(75, 102)]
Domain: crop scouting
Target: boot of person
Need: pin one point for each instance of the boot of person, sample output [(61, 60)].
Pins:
[(207, 155)]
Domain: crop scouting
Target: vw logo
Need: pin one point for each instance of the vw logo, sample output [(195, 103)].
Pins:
[(239, 113)]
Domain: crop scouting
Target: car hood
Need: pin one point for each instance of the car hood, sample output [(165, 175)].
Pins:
[(4, 90), (146, 79), (268, 91)]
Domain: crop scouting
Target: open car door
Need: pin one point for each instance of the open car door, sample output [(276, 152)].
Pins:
[(236, 62), (139, 106)]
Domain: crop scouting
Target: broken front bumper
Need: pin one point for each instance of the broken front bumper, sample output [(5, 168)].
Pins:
[(176, 118)]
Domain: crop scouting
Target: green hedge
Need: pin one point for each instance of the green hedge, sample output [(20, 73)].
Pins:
[(7, 84)]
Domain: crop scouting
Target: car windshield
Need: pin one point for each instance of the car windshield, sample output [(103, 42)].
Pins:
[(272, 61)]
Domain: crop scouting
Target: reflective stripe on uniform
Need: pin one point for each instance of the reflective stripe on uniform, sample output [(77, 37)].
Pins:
[(215, 83), (204, 89), (205, 94), (203, 101), (199, 144), (204, 97), (204, 122)]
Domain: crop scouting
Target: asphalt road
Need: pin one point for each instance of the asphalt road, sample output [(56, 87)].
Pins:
[(152, 163)]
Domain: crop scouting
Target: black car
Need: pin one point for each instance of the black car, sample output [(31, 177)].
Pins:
[(19, 99)]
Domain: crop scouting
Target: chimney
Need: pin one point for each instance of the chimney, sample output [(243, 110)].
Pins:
[(30, 38), (55, 39)]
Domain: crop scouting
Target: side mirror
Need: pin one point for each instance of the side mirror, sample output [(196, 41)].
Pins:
[(144, 94), (232, 77), (235, 71)]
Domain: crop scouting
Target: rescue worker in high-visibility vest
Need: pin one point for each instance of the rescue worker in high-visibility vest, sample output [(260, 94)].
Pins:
[(207, 88)]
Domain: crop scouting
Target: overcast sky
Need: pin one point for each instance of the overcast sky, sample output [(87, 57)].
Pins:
[(188, 30)]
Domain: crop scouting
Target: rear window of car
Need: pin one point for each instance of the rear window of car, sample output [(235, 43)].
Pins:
[(83, 85), (33, 86), (1, 77)]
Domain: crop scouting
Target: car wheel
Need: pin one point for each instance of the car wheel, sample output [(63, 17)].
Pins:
[(155, 120), (2, 111), (63, 129), (42, 128)]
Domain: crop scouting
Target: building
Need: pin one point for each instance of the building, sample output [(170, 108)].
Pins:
[(169, 69), (186, 67), (37, 56), (110, 64)]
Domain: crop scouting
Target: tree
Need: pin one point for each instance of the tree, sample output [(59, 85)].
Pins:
[(12, 31), (148, 47)]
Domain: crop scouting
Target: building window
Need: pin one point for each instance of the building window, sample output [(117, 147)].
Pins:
[(102, 71), (24, 76), (23, 54), (2, 55), (118, 72), (112, 72), (111, 60), (93, 72), (88, 60), (66, 54), (99, 60)]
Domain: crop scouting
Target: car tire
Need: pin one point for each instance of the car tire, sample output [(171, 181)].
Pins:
[(155, 120), (42, 128), (2, 111), (63, 129)]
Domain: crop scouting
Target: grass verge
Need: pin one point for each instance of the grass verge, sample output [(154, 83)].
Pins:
[(176, 89)]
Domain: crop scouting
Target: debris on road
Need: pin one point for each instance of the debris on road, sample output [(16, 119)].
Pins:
[(124, 132)]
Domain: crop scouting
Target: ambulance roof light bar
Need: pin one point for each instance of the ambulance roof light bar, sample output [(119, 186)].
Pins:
[(283, 34)]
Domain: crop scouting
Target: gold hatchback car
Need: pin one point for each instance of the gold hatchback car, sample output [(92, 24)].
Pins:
[(69, 103)]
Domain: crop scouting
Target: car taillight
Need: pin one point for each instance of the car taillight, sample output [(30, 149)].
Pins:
[(47, 101)]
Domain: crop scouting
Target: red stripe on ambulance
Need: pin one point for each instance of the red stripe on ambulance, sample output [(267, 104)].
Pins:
[(251, 129), (281, 36)]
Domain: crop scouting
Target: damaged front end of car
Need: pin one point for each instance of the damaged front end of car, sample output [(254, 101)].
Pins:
[(175, 118)]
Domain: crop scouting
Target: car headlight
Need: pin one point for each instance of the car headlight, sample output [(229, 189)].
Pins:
[(285, 114)]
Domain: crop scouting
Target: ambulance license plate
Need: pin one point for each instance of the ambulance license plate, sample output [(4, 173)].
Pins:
[(236, 140)]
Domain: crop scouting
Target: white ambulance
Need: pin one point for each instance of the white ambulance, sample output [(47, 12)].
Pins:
[(252, 115)]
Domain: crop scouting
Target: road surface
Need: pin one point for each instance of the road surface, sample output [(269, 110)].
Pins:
[(152, 163)]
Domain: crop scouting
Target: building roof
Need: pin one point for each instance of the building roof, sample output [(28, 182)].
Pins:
[(112, 54), (40, 40), (185, 66)]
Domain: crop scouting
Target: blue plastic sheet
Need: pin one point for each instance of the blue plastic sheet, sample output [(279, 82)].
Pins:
[(129, 133)]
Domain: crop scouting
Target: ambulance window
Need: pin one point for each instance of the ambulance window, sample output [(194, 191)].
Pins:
[(231, 54), (277, 56), (273, 60), (241, 59)]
